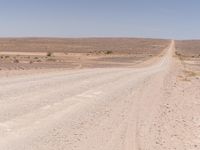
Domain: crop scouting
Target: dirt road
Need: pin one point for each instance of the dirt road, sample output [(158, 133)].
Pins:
[(90, 109)]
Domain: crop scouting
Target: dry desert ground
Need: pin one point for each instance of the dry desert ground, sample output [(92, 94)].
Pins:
[(99, 94), (37, 53)]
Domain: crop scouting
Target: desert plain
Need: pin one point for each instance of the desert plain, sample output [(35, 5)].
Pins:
[(99, 94)]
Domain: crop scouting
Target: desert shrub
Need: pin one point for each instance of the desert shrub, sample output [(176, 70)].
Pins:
[(177, 53), (16, 61), (108, 52), (49, 54), (39, 60), (51, 59)]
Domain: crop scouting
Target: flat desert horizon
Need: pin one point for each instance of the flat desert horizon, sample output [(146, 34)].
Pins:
[(38, 53)]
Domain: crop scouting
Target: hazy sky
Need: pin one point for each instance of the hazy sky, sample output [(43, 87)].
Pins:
[(86, 18)]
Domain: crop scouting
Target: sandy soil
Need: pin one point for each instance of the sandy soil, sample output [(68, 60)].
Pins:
[(189, 53), (33, 53), (154, 107), (83, 45), (188, 48)]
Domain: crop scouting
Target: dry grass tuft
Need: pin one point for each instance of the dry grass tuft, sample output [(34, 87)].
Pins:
[(190, 73)]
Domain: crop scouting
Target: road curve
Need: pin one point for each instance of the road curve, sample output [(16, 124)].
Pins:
[(89, 109)]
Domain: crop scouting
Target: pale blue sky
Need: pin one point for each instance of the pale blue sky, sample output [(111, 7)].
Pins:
[(94, 18)]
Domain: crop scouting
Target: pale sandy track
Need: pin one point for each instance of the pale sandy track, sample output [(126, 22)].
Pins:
[(89, 109)]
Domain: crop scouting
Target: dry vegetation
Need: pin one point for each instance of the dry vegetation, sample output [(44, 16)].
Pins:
[(30, 53), (190, 48), (83, 45), (189, 53)]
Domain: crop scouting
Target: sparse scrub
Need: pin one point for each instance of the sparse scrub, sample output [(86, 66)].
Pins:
[(51, 59), (190, 73), (15, 61), (108, 52), (39, 60), (49, 54), (188, 48), (177, 53)]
